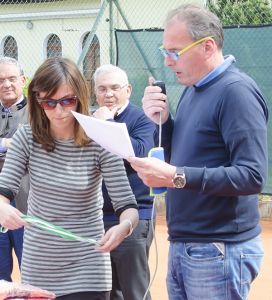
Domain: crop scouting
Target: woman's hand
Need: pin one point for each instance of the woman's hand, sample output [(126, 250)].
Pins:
[(10, 217), (116, 234), (114, 237)]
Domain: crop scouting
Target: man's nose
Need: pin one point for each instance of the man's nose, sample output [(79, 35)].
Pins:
[(109, 93), (6, 83), (168, 61)]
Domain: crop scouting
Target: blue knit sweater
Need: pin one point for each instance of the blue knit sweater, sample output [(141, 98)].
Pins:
[(220, 135), (141, 131)]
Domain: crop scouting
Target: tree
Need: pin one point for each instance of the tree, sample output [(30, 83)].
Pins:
[(241, 12)]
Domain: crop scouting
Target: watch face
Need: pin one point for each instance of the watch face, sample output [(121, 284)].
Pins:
[(179, 181)]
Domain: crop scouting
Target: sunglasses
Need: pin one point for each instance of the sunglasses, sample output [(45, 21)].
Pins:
[(49, 104), (176, 55)]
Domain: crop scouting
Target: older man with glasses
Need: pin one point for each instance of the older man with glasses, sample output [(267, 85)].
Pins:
[(130, 260), (13, 113)]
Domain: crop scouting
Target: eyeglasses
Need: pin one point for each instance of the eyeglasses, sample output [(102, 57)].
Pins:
[(101, 90), (49, 104), (12, 79), (175, 55)]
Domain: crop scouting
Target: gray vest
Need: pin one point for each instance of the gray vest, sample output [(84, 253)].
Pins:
[(10, 119)]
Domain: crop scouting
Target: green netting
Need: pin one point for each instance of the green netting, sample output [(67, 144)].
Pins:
[(133, 49), (138, 55)]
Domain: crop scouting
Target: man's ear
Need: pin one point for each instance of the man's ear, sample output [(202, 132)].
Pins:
[(24, 80), (210, 47), (129, 89)]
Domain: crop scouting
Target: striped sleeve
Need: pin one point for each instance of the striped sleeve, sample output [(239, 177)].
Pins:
[(116, 181)]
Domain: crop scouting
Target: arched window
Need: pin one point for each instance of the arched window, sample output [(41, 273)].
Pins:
[(91, 61), (53, 47), (10, 47)]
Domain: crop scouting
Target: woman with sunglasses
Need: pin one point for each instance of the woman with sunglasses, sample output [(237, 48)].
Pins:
[(66, 170)]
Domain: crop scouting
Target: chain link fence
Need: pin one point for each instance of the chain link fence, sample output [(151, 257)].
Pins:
[(83, 30), (128, 33)]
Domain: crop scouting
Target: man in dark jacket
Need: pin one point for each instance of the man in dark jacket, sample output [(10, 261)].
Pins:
[(13, 113), (130, 260)]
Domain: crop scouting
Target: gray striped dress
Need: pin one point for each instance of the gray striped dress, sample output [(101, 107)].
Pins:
[(65, 190)]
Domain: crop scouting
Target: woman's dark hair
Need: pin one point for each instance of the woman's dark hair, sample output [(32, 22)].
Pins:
[(48, 78)]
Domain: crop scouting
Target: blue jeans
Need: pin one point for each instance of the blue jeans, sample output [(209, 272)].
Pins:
[(217, 271), (13, 239)]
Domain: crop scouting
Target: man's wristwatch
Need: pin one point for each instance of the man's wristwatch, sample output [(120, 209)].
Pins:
[(179, 180)]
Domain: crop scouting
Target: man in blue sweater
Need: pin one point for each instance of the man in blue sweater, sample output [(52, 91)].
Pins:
[(130, 271), (216, 149)]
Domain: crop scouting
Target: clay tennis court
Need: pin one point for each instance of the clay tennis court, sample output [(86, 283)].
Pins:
[(261, 288)]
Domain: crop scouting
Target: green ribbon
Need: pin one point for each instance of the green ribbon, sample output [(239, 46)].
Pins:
[(53, 229)]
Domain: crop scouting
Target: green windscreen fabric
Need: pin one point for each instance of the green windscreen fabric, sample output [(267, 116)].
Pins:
[(138, 54), (131, 59)]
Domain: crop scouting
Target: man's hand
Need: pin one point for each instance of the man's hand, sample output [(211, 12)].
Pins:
[(154, 103), (153, 172), (104, 113)]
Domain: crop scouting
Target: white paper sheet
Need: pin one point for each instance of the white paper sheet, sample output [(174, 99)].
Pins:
[(112, 136)]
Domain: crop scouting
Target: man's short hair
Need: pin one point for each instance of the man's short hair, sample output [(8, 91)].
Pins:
[(109, 68), (11, 61)]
